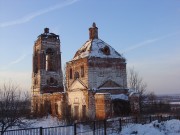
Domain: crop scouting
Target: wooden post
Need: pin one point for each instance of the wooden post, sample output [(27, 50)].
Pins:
[(120, 125), (40, 131), (75, 129), (94, 127), (161, 118), (105, 127), (136, 119), (150, 119)]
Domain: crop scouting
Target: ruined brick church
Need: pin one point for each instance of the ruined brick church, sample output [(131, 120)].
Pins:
[(95, 77)]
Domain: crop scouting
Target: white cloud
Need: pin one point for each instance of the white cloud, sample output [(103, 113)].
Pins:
[(144, 43), (32, 16), (147, 42), (18, 60)]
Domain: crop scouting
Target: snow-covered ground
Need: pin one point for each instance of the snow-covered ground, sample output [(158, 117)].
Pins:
[(44, 122), (171, 127), (47, 122)]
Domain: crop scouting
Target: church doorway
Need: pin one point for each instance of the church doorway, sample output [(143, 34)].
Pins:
[(76, 112)]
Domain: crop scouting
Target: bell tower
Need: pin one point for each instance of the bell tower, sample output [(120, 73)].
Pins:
[(47, 73)]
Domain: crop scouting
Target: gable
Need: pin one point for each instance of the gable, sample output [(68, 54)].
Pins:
[(77, 85), (109, 84)]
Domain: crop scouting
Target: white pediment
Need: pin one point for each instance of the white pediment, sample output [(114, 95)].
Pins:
[(77, 85)]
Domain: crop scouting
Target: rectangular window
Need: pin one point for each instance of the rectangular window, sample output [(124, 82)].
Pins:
[(36, 107), (41, 108), (83, 111), (82, 71), (70, 73), (69, 111)]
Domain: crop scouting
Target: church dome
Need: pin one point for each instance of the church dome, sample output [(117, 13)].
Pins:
[(96, 47), (46, 34)]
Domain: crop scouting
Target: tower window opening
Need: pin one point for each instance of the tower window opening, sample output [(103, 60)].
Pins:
[(50, 60)]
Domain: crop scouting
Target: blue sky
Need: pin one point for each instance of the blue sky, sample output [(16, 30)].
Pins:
[(145, 32)]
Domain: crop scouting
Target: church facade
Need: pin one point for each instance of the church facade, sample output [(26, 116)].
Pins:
[(95, 77)]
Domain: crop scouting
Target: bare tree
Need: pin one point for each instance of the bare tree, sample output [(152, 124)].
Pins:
[(13, 107), (136, 83), (151, 98)]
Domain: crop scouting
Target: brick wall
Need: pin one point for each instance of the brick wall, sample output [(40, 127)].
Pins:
[(76, 67), (101, 70)]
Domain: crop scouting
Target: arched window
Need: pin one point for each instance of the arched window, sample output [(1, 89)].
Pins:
[(51, 80), (49, 51), (76, 75)]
